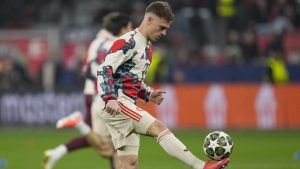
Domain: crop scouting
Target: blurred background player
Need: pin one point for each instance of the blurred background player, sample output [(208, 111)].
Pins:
[(114, 25)]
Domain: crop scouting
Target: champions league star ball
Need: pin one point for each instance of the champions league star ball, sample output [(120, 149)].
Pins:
[(217, 145)]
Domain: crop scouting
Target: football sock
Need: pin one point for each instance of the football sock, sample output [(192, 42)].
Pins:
[(51, 156), (177, 149), (83, 128), (59, 151)]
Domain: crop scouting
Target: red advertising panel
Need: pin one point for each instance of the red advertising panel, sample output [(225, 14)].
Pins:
[(229, 106)]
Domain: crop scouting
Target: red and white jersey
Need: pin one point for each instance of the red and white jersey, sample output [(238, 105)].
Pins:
[(96, 52), (124, 68)]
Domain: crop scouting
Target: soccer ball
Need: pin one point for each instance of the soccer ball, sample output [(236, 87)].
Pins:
[(217, 145)]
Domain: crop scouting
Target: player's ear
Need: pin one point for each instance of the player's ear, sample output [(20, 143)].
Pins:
[(149, 19)]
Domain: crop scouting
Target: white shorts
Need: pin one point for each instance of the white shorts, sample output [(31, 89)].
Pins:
[(126, 126), (98, 123)]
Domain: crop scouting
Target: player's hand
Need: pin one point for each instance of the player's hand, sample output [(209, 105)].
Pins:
[(157, 96), (112, 107)]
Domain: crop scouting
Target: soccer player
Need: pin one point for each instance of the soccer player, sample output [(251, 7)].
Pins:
[(114, 24), (120, 84)]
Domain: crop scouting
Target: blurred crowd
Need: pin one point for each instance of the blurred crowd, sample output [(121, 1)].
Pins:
[(205, 32)]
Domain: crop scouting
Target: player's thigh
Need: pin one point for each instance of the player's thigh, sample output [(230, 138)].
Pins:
[(141, 119), (120, 127)]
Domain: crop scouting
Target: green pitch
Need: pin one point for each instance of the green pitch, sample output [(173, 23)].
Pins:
[(23, 149)]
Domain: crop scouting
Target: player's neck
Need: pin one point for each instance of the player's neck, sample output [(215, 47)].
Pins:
[(142, 30)]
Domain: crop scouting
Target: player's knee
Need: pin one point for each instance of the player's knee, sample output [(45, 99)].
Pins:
[(129, 161), (156, 128), (130, 165), (106, 152)]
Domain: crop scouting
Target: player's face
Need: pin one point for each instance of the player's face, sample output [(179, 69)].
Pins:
[(157, 27)]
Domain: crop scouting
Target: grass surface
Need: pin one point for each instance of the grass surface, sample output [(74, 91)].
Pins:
[(23, 149)]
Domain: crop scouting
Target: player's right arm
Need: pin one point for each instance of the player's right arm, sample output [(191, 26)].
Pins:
[(119, 53)]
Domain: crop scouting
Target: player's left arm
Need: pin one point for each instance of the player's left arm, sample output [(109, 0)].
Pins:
[(157, 96), (145, 92), (149, 94)]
